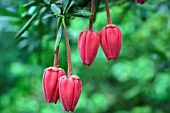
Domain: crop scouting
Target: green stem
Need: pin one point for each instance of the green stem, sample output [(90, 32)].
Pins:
[(68, 49)]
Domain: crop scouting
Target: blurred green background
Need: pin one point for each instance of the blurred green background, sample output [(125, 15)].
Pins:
[(138, 82)]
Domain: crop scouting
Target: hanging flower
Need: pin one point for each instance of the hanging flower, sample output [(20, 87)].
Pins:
[(69, 87), (110, 38), (69, 91), (50, 83), (111, 41), (88, 43)]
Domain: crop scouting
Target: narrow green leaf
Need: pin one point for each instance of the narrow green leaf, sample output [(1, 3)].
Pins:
[(21, 10), (59, 34), (46, 16), (82, 13), (58, 38), (26, 26), (71, 4), (55, 9), (66, 6), (32, 10), (5, 12), (29, 4)]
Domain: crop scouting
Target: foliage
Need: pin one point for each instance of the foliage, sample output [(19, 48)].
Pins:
[(138, 82)]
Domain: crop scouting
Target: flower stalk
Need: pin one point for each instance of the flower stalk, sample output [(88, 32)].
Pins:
[(92, 17), (68, 49), (56, 57), (108, 12)]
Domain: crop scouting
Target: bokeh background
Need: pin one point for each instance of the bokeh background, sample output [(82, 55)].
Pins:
[(138, 82)]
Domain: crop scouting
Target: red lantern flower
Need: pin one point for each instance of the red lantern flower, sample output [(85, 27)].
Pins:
[(141, 1), (111, 41), (50, 83), (69, 91), (110, 38), (88, 43)]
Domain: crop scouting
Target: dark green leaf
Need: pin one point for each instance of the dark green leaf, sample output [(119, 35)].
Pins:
[(59, 33), (32, 10), (66, 6), (26, 26), (82, 13), (71, 4), (21, 10), (58, 38), (55, 9), (29, 4), (8, 13), (46, 16)]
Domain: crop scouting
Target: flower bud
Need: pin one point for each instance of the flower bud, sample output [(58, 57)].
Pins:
[(141, 1), (50, 83), (88, 43), (69, 91), (111, 41)]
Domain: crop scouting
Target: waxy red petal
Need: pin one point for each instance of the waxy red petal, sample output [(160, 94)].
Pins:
[(112, 36), (62, 89), (50, 83), (111, 41), (77, 92), (53, 87), (81, 45), (93, 47), (88, 43), (62, 83), (103, 42), (69, 91), (87, 48), (119, 42)]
